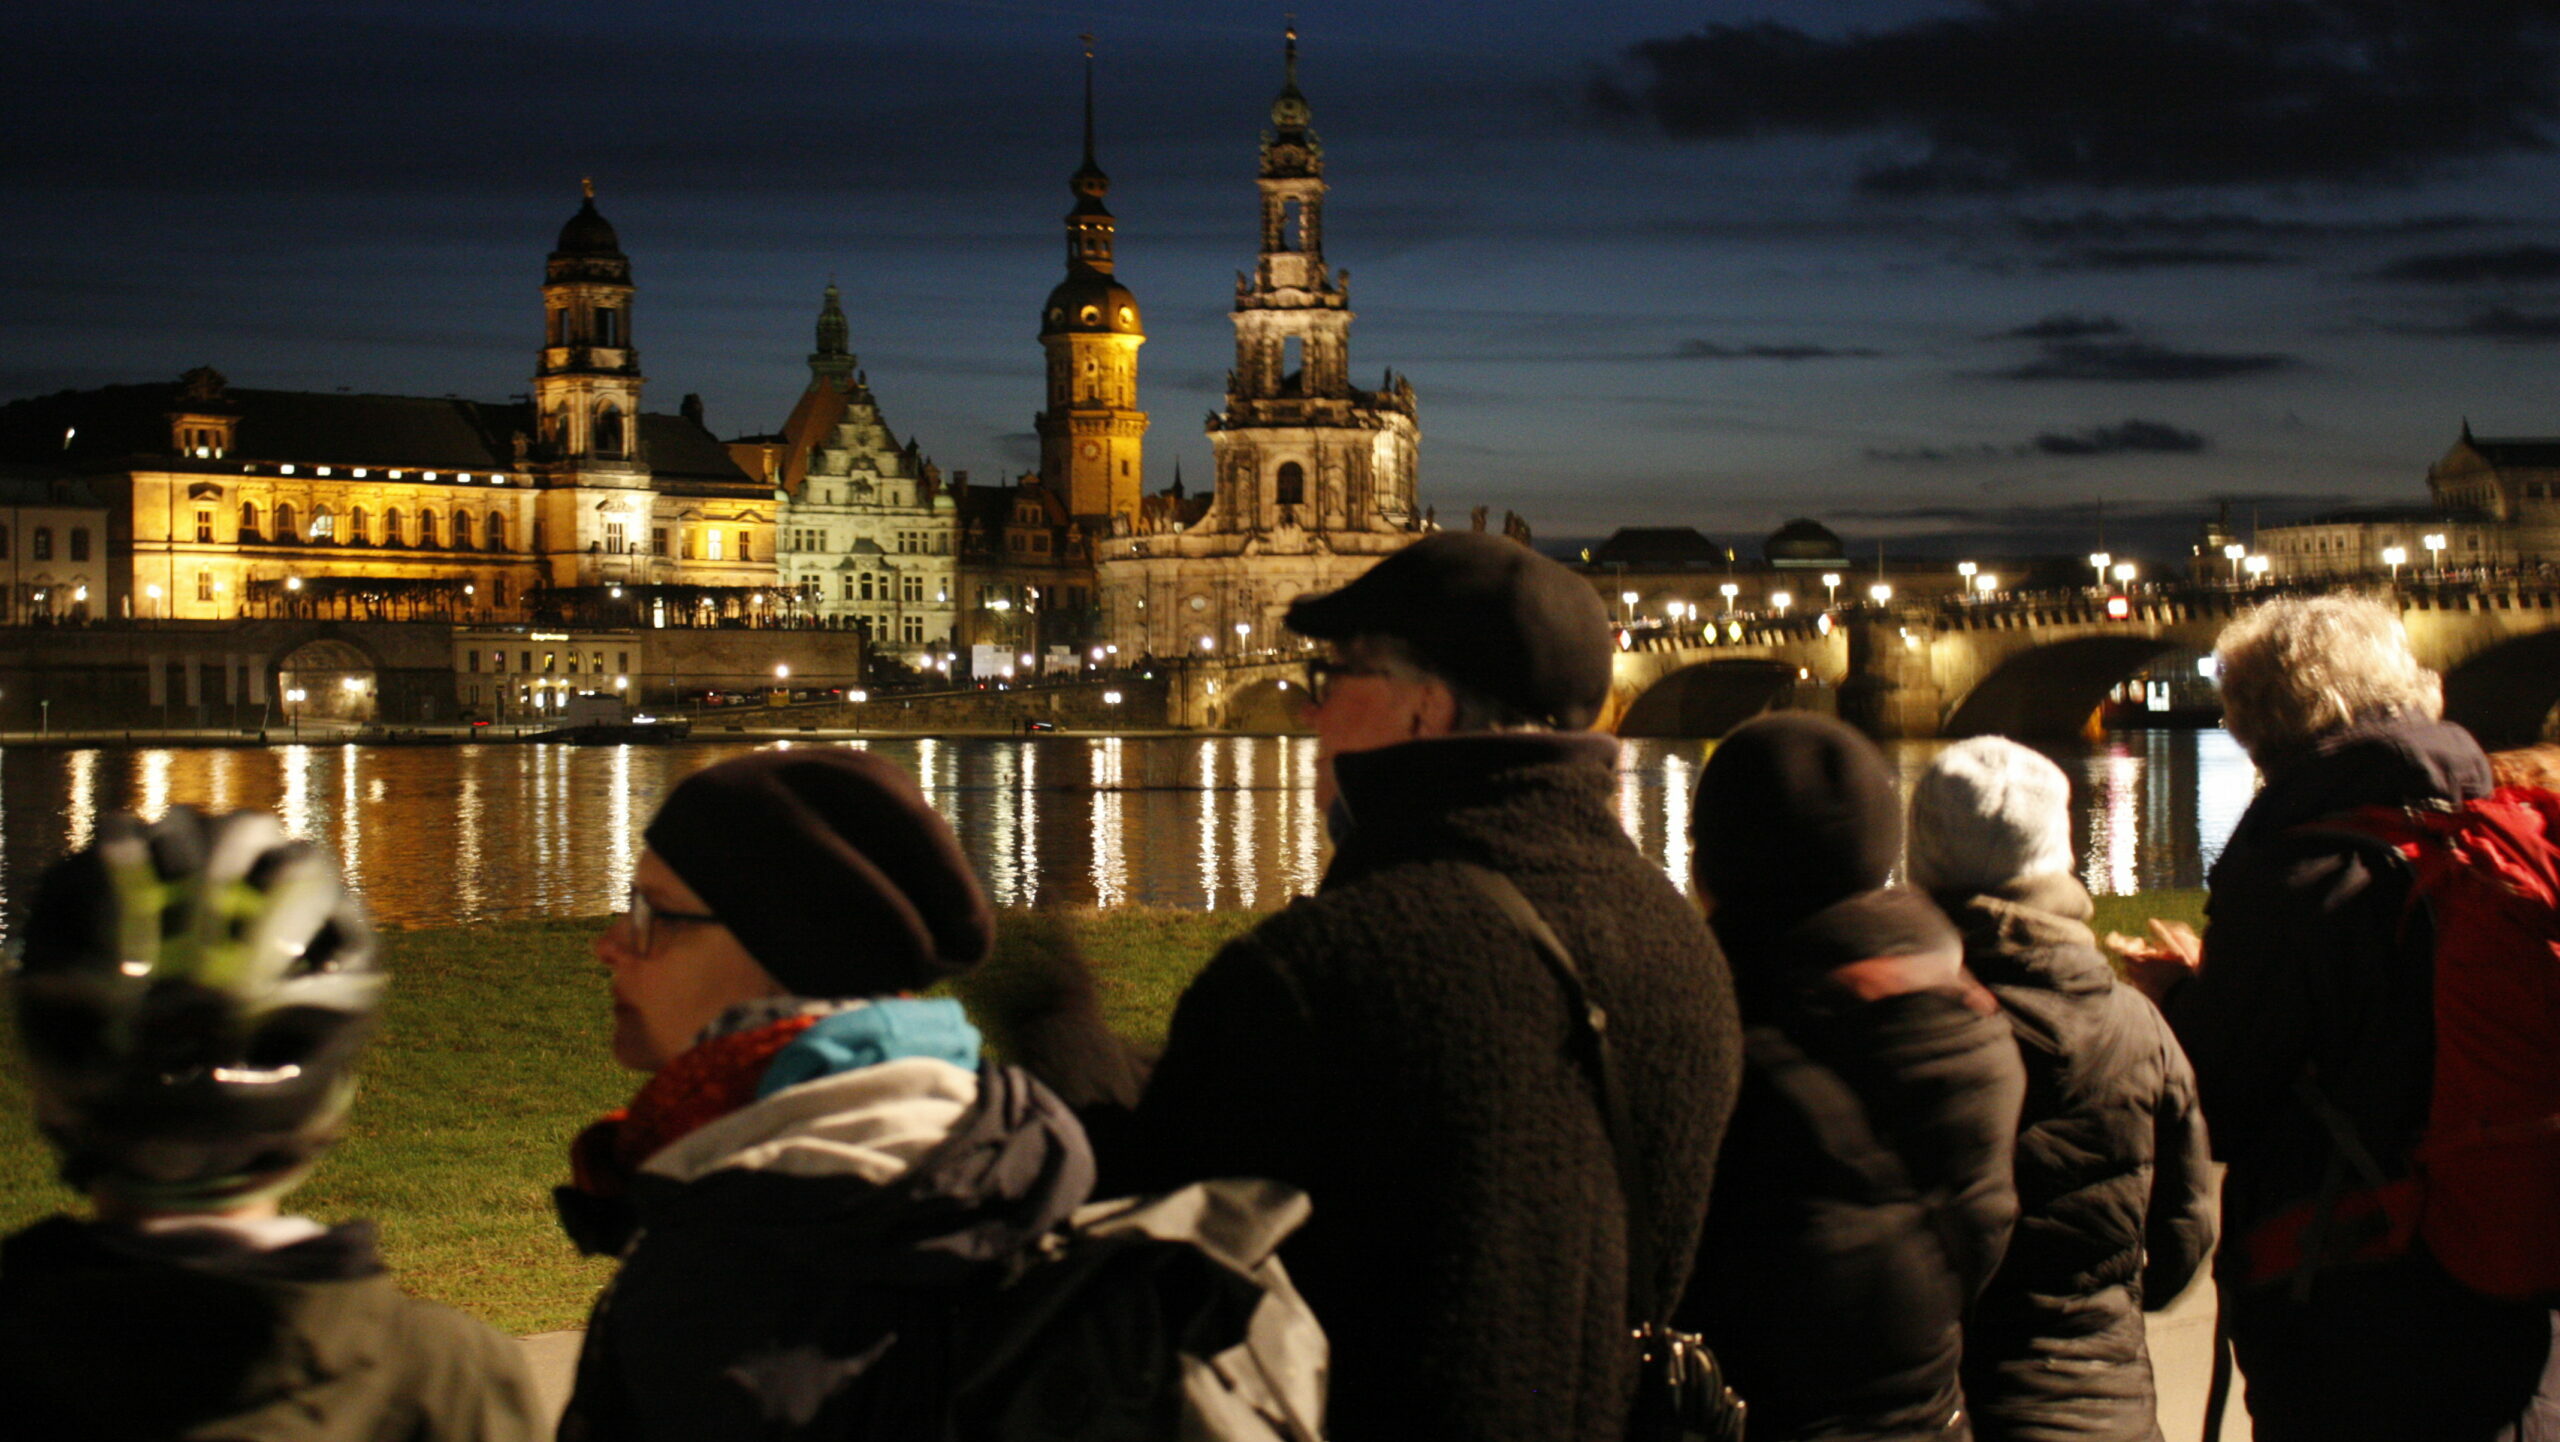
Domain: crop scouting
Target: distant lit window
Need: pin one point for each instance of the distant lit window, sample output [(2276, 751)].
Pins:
[(204, 585), (204, 524)]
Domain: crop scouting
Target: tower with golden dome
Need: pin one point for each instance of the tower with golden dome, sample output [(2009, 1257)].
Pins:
[(1092, 433)]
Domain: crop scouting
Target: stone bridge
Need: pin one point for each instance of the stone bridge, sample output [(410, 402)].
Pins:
[(2040, 668)]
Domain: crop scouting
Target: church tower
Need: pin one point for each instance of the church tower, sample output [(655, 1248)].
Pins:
[(1092, 434), (586, 455), (1300, 448)]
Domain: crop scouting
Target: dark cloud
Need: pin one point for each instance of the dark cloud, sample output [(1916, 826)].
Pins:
[(2472, 267), (2513, 326), (2134, 360), (2008, 95), (2116, 227), (2162, 257), (1709, 350), (2066, 325), (1933, 455), (2134, 435)]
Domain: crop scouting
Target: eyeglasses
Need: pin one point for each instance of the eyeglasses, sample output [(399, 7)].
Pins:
[(1322, 674), (646, 918)]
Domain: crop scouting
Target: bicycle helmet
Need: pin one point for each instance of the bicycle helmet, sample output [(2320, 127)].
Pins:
[(191, 996)]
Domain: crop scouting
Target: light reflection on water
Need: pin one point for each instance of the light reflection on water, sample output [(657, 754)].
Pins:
[(443, 834)]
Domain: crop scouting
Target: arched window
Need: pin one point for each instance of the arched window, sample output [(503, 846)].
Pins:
[(462, 530), (426, 528), (324, 526), (391, 527), (497, 531), (1291, 487), (285, 529), (608, 430), (359, 528), (249, 521)]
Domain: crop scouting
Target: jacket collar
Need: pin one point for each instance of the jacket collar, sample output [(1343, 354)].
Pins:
[(2035, 930), (2388, 762), (1417, 782)]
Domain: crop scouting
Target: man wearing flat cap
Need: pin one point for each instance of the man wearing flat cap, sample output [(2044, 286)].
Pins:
[(818, 1158), (1398, 1046)]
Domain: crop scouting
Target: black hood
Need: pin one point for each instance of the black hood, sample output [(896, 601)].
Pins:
[(2380, 763)]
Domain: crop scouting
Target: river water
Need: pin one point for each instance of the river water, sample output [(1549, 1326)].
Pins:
[(442, 834)]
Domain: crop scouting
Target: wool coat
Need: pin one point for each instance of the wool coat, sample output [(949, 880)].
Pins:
[(108, 1331), (2309, 975), (1398, 1049), (2115, 1198)]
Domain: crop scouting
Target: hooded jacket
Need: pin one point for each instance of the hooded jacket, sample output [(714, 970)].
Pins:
[(107, 1332), (2308, 975), (2115, 1201), (795, 1259), (1397, 1048), (1864, 1195)]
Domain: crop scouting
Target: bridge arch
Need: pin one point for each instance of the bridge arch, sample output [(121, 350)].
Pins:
[(1710, 698), (338, 680), (2050, 690), (2505, 694), (1271, 705)]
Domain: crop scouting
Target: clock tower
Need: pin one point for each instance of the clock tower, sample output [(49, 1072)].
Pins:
[(1092, 434)]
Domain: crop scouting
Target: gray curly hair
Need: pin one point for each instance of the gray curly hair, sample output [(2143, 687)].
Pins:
[(2301, 667)]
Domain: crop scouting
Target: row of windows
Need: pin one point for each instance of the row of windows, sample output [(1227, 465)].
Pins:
[(325, 526), (40, 543), (875, 586), (909, 629), (550, 661)]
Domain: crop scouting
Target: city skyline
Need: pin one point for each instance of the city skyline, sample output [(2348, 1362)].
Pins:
[(1636, 279)]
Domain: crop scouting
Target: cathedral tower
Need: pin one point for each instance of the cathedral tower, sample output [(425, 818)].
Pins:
[(1299, 448), (1092, 434), (586, 455)]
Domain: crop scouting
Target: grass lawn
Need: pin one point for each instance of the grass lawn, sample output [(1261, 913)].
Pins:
[(492, 1054)]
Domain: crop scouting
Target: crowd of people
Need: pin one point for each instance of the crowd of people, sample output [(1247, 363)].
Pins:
[(1908, 1156)]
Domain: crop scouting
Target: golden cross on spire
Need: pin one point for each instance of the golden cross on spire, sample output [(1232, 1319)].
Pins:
[(587, 186)]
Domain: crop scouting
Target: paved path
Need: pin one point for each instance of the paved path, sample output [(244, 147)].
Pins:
[(2181, 1358)]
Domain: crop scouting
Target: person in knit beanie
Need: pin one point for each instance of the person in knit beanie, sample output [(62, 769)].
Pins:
[(810, 1129), (2111, 1162), (1863, 1195)]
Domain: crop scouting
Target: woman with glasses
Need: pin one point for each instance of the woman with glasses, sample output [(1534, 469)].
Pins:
[(817, 1159)]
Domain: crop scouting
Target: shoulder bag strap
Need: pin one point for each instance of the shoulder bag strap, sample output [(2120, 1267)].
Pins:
[(1591, 1022)]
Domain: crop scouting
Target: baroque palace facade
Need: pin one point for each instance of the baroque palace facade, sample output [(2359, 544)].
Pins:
[(1315, 478), (2494, 505), (226, 502)]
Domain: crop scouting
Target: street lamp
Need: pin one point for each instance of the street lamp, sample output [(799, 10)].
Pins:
[(1626, 608), (2256, 566), (153, 591), (2434, 542), (1830, 588), (293, 698), (1986, 583), (2233, 553), (1968, 570), (1728, 590), (2098, 562), (1782, 600), (1243, 629), (2124, 573), (2395, 557), (1880, 592)]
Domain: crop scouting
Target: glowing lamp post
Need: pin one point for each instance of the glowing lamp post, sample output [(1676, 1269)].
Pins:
[(2395, 557), (2235, 553), (1986, 583), (1243, 629), (1626, 608), (2124, 573), (1781, 600), (1830, 589), (1967, 570), (2098, 562), (2434, 542), (2256, 566), (1880, 593), (1728, 590), (293, 697)]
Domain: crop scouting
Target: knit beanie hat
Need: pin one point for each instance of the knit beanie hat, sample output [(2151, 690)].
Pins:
[(831, 867), (1988, 812), (1794, 812)]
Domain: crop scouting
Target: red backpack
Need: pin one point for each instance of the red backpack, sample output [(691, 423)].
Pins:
[(2484, 1188)]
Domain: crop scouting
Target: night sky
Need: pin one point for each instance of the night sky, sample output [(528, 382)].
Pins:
[(1948, 273)]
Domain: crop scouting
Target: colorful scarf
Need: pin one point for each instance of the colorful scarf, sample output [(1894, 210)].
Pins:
[(713, 1078)]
